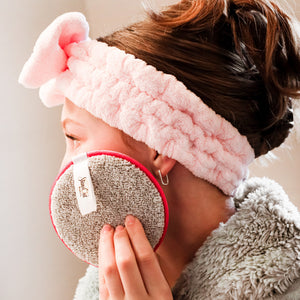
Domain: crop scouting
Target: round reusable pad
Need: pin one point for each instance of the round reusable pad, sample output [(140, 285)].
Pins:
[(121, 186)]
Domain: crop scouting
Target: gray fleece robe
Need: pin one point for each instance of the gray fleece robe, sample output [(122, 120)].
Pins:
[(254, 255)]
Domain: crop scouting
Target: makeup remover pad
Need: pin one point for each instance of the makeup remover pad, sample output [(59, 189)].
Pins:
[(103, 187)]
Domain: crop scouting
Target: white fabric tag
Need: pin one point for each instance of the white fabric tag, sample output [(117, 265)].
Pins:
[(83, 185)]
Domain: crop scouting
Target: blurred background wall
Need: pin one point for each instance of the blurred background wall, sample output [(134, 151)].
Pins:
[(35, 265)]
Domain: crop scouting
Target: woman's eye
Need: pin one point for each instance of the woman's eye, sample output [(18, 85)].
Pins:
[(74, 142), (71, 137)]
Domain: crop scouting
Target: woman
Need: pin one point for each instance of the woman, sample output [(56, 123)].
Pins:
[(228, 237)]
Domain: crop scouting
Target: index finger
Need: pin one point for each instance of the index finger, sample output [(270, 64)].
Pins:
[(107, 263)]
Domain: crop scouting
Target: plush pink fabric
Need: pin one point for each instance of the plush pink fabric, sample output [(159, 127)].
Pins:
[(149, 105)]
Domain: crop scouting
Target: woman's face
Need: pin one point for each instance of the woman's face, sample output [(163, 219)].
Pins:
[(85, 133)]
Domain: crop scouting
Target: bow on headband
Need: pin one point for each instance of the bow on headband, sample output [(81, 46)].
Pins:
[(49, 59)]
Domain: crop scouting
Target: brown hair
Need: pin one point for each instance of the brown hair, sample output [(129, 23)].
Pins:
[(241, 57)]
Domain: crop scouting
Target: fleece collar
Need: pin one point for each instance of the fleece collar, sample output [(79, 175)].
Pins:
[(255, 255)]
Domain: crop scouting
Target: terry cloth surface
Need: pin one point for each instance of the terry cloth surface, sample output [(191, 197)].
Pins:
[(147, 104), (255, 255), (121, 188)]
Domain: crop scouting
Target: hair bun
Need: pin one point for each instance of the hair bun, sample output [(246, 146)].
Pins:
[(276, 134)]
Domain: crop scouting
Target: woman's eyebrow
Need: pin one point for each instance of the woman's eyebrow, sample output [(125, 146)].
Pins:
[(67, 120)]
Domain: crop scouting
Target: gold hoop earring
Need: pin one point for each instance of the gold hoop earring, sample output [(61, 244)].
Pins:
[(161, 179)]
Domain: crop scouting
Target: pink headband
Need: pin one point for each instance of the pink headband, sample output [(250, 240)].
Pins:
[(126, 93)]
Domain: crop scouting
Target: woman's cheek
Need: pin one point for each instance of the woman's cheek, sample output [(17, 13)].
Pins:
[(71, 151), (72, 146)]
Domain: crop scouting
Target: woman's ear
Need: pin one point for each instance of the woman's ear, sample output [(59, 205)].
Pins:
[(162, 163)]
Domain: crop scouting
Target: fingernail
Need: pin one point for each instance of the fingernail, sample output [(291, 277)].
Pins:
[(119, 228), (130, 220), (106, 228)]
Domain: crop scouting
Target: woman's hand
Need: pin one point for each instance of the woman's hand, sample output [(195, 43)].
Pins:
[(128, 267)]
